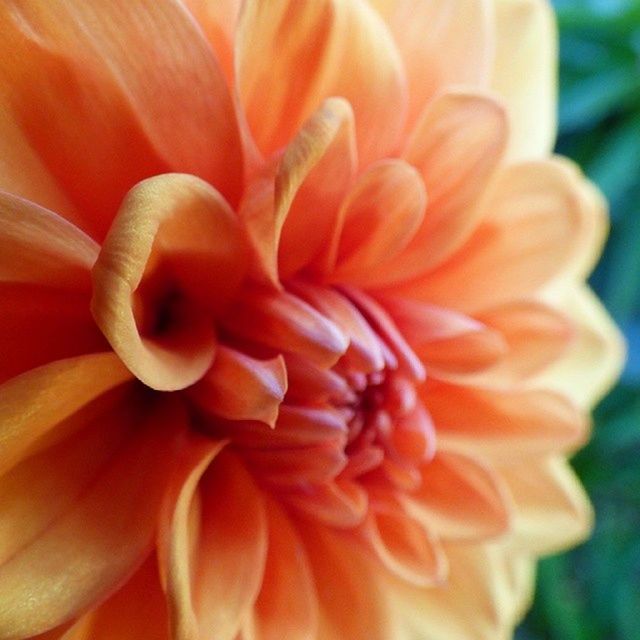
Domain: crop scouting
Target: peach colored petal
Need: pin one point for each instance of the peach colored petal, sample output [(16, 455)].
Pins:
[(213, 544), (481, 600), (238, 387), (460, 499), (35, 402), (352, 601), (525, 74), (405, 547), (311, 383), (78, 84), (536, 335), (287, 605), (38, 246), (441, 43), (181, 231), (552, 510), (138, 610), (538, 223), (286, 323), (597, 340), (456, 145), (504, 423), (307, 184), (308, 51), (380, 215), (92, 545), (218, 20), (445, 340)]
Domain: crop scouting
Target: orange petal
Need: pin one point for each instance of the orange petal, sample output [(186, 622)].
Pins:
[(84, 524), (405, 548), (352, 604), (539, 222), (287, 605), (525, 74), (218, 20), (311, 383), (316, 171), (35, 402), (552, 511), (307, 51), (100, 115), (423, 31), (460, 499), (504, 423), (445, 340), (286, 323), (238, 387), (27, 341), (213, 544), (137, 610), (536, 335), (456, 146), (38, 246), (176, 235), (380, 215)]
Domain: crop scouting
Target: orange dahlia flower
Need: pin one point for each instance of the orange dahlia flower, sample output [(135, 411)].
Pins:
[(294, 333)]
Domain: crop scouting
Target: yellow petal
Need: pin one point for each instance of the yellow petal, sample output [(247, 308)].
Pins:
[(176, 236), (525, 74), (308, 51)]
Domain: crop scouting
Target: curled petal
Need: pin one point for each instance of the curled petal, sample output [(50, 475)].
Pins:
[(525, 74), (213, 544), (238, 387), (174, 252), (75, 511), (306, 52)]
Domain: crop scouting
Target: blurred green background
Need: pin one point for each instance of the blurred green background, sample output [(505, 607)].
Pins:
[(593, 592)]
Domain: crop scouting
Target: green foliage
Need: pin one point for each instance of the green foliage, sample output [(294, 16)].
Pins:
[(593, 593)]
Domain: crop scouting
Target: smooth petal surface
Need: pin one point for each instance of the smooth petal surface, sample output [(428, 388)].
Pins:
[(87, 549), (525, 74), (308, 51), (504, 423), (176, 234), (552, 511), (77, 82), (441, 43), (35, 402), (213, 544)]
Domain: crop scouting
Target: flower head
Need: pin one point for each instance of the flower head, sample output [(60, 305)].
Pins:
[(295, 337)]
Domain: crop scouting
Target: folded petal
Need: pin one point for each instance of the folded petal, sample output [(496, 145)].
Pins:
[(238, 387), (538, 225), (460, 499), (441, 43), (86, 523), (34, 403), (552, 511), (172, 259), (287, 605), (504, 423), (99, 93), (38, 246), (525, 74), (380, 216), (213, 544), (308, 51)]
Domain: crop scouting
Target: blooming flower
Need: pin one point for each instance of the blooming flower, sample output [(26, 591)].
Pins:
[(295, 337)]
